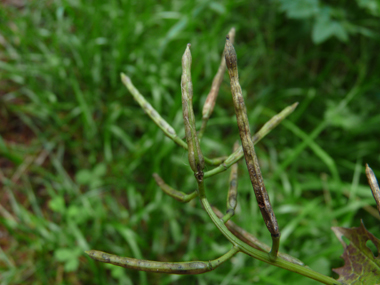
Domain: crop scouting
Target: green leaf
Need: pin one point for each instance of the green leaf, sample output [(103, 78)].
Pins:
[(361, 266), (84, 176), (71, 265), (100, 170), (372, 6), (69, 256), (325, 27), (299, 9), (344, 118), (57, 204)]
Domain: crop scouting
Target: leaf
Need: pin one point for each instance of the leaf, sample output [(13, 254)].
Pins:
[(361, 266), (299, 9), (69, 257), (372, 6), (57, 204), (344, 118), (325, 27), (83, 176)]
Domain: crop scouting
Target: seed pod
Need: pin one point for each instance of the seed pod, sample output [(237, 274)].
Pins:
[(209, 105), (247, 144), (152, 113), (155, 116), (195, 267), (196, 160), (232, 191), (191, 267), (238, 154), (372, 181), (178, 195)]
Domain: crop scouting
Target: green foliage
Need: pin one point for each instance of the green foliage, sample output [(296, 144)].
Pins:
[(330, 20), (63, 111)]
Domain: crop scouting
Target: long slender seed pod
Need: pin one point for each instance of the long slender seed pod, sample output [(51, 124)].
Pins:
[(196, 160), (372, 181), (178, 195), (274, 122), (155, 116), (265, 129), (209, 105), (232, 191), (192, 267), (252, 240), (249, 150), (152, 113)]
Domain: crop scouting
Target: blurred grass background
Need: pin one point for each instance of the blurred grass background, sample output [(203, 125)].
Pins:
[(77, 153)]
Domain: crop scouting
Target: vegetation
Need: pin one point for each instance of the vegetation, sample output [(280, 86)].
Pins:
[(77, 153)]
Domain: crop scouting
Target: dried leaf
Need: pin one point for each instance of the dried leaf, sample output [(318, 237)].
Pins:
[(361, 266)]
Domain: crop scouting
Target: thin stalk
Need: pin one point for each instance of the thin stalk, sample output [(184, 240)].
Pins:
[(178, 195), (265, 129), (251, 160), (227, 216), (216, 160), (188, 268), (209, 105), (372, 181)]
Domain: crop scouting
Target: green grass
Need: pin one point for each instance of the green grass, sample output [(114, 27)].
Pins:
[(77, 153)]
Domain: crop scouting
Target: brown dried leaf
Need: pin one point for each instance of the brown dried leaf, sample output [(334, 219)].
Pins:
[(361, 266)]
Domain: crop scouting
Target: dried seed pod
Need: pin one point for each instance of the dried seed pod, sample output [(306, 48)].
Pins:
[(247, 144), (209, 105), (196, 160), (372, 181)]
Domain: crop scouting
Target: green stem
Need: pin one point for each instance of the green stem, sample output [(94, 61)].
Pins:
[(229, 215)]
